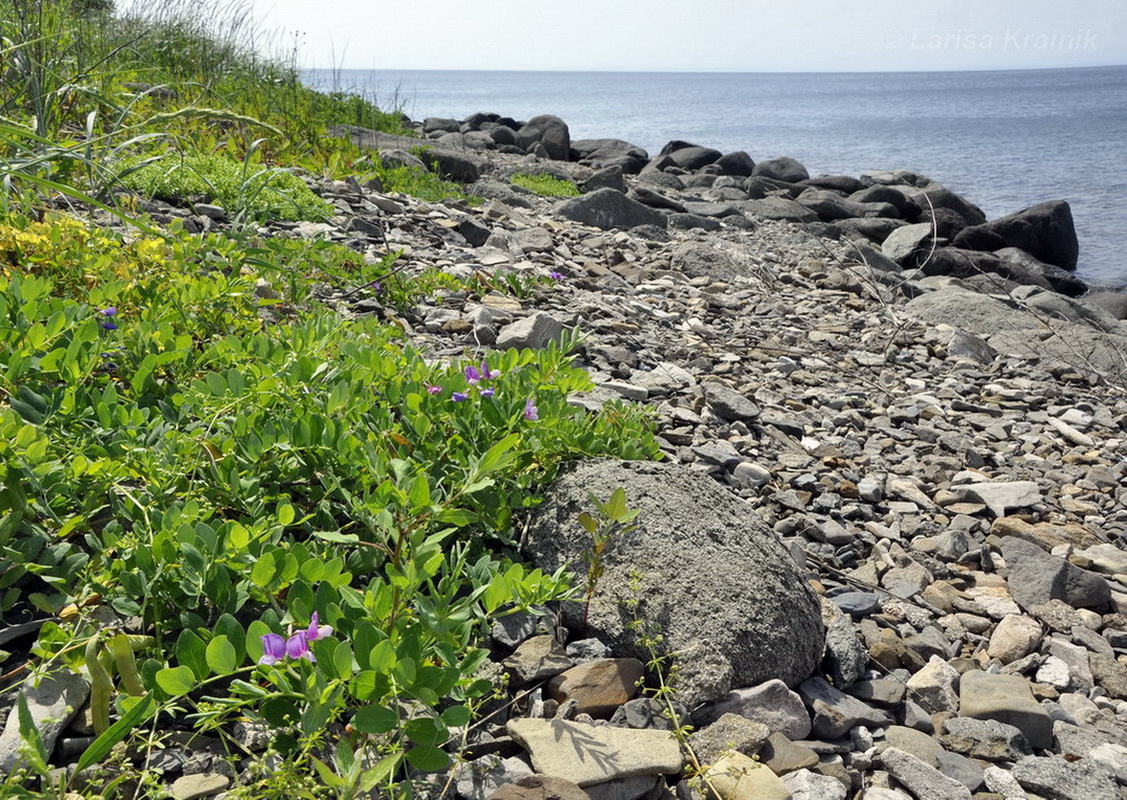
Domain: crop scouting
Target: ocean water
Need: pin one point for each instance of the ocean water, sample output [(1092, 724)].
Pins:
[(1005, 140)]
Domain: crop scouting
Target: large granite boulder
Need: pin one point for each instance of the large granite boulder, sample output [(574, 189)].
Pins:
[(602, 153), (737, 163), (693, 158), (1045, 231), (548, 130), (707, 574), (1022, 267), (607, 209)]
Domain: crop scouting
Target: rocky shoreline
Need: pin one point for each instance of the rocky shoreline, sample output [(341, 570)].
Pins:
[(885, 552)]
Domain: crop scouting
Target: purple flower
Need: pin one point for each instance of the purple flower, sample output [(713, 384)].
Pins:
[(109, 326), (316, 630), (487, 392), (297, 646), (472, 375), (434, 389), (531, 413), (274, 649), (488, 374), (556, 276), (458, 397), (109, 312)]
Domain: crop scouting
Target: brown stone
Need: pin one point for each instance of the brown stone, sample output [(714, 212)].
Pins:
[(539, 787), (783, 756), (599, 687)]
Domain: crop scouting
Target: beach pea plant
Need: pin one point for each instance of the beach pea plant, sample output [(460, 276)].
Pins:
[(303, 520)]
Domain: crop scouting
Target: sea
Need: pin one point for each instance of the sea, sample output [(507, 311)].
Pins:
[(1003, 139)]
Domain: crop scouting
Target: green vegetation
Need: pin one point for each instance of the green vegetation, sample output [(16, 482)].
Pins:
[(546, 185), (226, 500)]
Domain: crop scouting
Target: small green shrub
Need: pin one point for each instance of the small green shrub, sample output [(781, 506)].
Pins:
[(546, 185), (241, 188)]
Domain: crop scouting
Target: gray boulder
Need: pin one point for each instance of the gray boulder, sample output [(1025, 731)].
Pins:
[(839, 183), (606, 178), (607, 209), (778, 208), (52, 704), (1035, 577), (548, 130), (1020, 266), (783, 168), (936, 196), (905, 207), (1114, 303), (707, 573), (601, 153), (904, 244)]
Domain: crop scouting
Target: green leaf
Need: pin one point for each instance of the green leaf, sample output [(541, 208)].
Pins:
[(338, 538), (383, 657), (176, 681), (221, 656), (428, 759), (228, 626), (101, 747), (375, 719), (30, 734), (342, 661), (262, 573), (426, 731), (191, 652), (456, 716)]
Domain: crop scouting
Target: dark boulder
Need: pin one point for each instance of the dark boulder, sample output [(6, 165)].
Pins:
[(935, 197), (606, 178), (783, 168), (474, 122), (738, 163), (1059, 279), (500, 133), (433, 124), (839, 183), (655, 177), (599, 153), (608, 209), (874, 229), (694, 158), (760, 186), (1114, 303), (957, 263), (674, 145), (655, 199), (979, 237), (549, 131), (905, 207), (1045, 231)]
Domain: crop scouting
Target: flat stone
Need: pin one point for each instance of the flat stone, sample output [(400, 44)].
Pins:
[(1035, 577), (918, 743), (770, 703), (599, 687), (540, 787), (730, 733), (589, 754), (1057, 778), (53, 704), (729, 404), (1008, 699), (737, 777), (807, 785), (922, 780), (961, 769), (203, 784), (987, 739), (537, 658), (835, 712), (783, 756), (999, 497), (624, 788), (481, 778)]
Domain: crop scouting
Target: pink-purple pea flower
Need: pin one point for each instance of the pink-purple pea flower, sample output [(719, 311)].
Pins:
[(107, 323), (434, 389), (458, 397), (531, 413), (487, 392), (276, 648)]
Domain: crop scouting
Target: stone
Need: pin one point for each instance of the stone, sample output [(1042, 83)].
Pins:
[(589, 754), (649, 713), (1000, 497), (1045, 231), (904, 243), (473, 231), (961, 768), (729, 404), (986, 739), (549, 131), (737, 777), (695, 157), (1014, 637), (607, 178), (1113, 757), (806, 785), (534, 332), (736, 163), (53, 703), (1007, 699), (534, 240), (1035, 577), (771, 703), (625, 788), (918, 743), (845, 658), (783, 755), (608, 209), (1002, 783), (203, 784), (936, 685), (537, 658), (783, 168), (481, 778), (599, 687), (758, 621), (540, 787), (729, 733), (779, 208), (1058, 778), (922, 780), (701, 260), (835, 712)]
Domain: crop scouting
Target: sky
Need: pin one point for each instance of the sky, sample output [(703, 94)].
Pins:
[(700, 35)]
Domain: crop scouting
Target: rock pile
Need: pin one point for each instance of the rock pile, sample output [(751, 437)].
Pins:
[(887, 547)]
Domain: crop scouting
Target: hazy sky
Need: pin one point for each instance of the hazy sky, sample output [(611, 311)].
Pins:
[(702, 35)]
